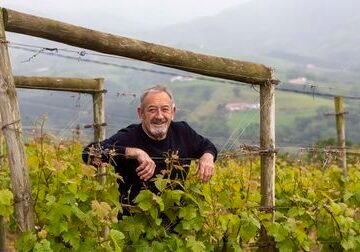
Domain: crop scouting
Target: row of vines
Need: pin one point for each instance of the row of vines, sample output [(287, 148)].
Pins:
[(316, 209)]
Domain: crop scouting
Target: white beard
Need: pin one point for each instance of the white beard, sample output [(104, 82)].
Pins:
[(158, 133)]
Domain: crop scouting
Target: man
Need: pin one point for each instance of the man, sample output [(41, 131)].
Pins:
[(138, 152)]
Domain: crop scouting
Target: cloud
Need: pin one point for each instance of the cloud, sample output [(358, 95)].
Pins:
[(141, 11)]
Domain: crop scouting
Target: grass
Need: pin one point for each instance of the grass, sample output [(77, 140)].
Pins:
[(202, 100), (290, 106)]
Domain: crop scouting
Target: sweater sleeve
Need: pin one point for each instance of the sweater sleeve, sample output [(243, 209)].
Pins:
[(199, 144), (109, 150)]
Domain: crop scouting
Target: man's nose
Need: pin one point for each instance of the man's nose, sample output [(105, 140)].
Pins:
[(159, 114)]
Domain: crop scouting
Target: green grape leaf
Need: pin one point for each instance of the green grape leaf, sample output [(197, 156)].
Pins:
[(195, 245), (43, 246), (172, 197), (144, 200), (73, 237), (188, 212), (57, 227), (117, 238), (285, 246), (134, 226), (159, 201), (6, 199), (161, 184), (348, 244), (26, 242)]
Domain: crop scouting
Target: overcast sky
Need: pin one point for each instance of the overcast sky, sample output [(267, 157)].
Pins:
[(153, 12)]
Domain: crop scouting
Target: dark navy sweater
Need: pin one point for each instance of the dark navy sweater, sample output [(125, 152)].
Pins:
[(181, 138)]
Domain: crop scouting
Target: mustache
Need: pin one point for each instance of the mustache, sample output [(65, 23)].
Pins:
[(159, 121)]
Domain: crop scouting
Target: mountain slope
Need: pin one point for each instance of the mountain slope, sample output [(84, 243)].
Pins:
[(322, 29)]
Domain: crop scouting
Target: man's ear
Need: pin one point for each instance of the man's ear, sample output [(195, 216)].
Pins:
[(173, 114), (139, 112)]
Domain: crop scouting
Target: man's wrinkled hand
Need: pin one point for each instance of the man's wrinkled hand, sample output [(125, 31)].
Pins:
[(206, 167), (146, 167), (95, 161)]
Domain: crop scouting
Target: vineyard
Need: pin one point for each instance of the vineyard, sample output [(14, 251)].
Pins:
[(316, 208), (51, 201)]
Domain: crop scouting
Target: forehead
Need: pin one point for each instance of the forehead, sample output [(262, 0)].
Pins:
[(157, 99)]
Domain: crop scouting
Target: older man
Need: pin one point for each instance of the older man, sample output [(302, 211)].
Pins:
[(141, 149)]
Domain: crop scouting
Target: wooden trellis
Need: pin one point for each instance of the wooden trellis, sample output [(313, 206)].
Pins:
[(219, 67), (94, 87), (11, 129)]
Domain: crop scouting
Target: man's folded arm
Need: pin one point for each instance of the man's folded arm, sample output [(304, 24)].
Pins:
[(102, 152)]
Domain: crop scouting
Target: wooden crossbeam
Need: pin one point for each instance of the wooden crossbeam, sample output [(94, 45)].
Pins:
[(214, 66)]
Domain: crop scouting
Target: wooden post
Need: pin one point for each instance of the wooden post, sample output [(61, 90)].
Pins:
[(99, 112), (220, 67), (99, 123), (267, 161), (11, 128), (2, 234), (1, 145), (95, 87), (78, 85), (100, 134), (340, 130), (2, 221)]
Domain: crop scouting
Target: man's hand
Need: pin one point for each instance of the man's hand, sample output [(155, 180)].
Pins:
[(206, 167), (146, 167), (95, 161)]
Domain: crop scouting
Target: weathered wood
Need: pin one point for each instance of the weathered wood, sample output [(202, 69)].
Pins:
[(99, 135), (95, 87), (2, 221), (1, 145), (78, 85), (267, 142), (267, 160), (11, 128), (99, 112), (340, 130), (352, 152), (2, 234), (230, 69)]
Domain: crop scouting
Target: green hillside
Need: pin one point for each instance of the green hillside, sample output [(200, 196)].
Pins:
[(203, 104), (297, 39)]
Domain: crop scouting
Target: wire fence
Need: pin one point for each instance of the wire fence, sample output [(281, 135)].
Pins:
[(81, 54), (233, 146), (232, 142)]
